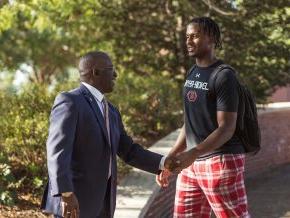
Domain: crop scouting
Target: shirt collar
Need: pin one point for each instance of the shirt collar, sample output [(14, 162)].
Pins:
[(95, 92)]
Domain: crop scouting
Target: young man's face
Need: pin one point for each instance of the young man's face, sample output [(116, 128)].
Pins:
[(198, 43)]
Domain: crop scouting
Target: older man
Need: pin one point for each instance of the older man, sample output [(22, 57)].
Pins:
[(85, 135)]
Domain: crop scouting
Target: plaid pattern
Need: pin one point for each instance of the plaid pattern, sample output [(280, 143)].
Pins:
[(217, 184)]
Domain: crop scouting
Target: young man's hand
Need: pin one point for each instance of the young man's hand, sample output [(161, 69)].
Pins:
[(172, 163), (187, 158)]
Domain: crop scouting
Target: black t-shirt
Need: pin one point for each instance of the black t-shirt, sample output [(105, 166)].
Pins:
[(200, 110)]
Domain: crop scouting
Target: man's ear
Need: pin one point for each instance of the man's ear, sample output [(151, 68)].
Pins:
[(95, 72), (212, 40)]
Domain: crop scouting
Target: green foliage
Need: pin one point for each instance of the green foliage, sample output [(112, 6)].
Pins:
[(24, 123), (151, 38), (48, 36), (256, 42), (25, 114), (7, 194), (144, 37), (150, 105)]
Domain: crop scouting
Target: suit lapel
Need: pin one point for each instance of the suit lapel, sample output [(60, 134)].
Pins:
[(94, 106)]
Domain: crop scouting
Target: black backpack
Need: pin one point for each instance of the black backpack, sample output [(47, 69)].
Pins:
[(247, 128)]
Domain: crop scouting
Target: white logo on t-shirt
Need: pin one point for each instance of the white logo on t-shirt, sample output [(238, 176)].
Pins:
[(196, 84)]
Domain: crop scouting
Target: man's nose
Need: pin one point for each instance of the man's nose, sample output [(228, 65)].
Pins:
[(189, 41)]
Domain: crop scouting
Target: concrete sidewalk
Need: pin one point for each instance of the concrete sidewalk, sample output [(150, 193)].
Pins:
[(269, 193)]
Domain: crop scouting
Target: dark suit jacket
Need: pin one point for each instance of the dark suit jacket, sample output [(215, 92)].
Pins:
[(78, 153)]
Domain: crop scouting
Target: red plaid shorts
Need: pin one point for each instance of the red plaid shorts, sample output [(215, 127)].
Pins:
[(217, 184)]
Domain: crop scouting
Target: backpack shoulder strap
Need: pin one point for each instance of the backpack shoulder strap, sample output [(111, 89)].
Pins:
[(214, 75), (190, 70)]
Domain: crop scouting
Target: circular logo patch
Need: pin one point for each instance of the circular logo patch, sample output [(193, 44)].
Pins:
[(191, 96)]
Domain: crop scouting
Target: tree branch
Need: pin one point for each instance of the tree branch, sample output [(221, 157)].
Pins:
[(218, 10), (35, 73)]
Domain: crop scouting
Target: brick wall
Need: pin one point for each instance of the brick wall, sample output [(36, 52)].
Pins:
[(281, 94), (275, 132)]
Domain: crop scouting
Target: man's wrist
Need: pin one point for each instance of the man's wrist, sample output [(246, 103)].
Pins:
[(197, 152), (66, 194)]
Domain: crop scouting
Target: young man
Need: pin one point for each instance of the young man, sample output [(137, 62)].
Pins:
[(212, 178), (86, 134)]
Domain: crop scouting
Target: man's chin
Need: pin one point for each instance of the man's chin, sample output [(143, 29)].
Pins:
[(191, 54), (109, 90)]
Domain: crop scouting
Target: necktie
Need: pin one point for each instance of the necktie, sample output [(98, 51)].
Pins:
[(107, 124), (106, 118)]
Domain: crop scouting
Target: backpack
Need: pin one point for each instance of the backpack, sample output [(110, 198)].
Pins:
[(247, 127)]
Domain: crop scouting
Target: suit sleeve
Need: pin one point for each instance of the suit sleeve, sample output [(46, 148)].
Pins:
[(135, 155), (63, 120)]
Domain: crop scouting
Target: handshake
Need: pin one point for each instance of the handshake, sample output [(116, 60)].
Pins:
[(174, 164)]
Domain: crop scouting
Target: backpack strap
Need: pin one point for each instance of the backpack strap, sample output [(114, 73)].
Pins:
[(213, 77), (190, 70)]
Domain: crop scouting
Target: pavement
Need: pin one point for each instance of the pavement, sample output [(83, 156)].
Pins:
[(269, 193), (138, 189)]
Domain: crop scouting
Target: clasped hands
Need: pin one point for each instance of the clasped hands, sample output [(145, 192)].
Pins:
[(174, 164)]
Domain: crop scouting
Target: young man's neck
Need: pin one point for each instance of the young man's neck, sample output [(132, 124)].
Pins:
[(206, 60)]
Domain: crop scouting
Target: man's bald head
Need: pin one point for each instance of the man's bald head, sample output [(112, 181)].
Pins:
[(96, 69), (93, 60)]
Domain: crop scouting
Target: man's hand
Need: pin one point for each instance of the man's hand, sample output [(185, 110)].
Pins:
[(70, 206), (187, 158), (172, 163), (162, 178)]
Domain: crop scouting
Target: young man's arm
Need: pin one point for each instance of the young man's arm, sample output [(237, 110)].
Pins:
[(180, 144), (224, 132)]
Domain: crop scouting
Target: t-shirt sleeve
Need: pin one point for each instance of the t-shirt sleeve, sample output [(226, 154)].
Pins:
[(227, 96)]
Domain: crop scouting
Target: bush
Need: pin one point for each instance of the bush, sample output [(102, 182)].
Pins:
[(7, 182), (24, 124)]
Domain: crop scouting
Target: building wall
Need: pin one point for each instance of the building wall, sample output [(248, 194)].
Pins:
[(281, 95), (275, 135)]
